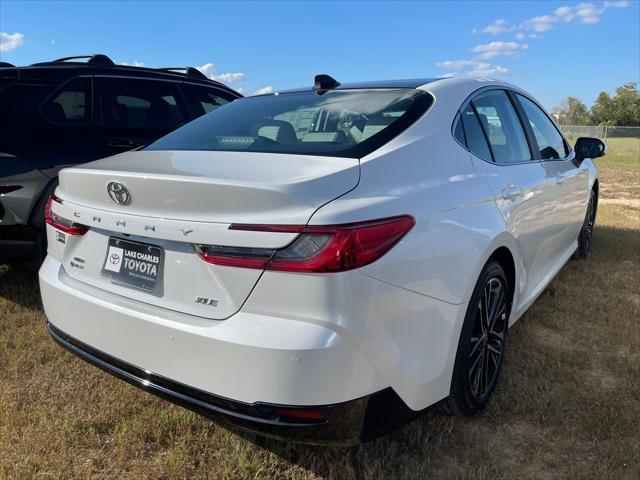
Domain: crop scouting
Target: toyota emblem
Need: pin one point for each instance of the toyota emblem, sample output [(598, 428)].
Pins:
[(118, 193)]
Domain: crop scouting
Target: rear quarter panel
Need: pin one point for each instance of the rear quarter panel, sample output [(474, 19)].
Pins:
[(427, 174)]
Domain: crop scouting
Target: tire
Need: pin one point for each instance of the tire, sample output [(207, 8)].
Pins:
[(586, 232), (38, 223), (480, 354)]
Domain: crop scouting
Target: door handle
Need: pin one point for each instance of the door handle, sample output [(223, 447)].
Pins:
[(123, 144), (560, 179), (511, 191)]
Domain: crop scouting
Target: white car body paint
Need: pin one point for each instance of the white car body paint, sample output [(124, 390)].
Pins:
[(311, 339)]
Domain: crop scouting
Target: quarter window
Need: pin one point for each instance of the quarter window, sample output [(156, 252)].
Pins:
[(476, 140), (458, 132), (549, 140), (71, 105), (207, 99), (502, 127)]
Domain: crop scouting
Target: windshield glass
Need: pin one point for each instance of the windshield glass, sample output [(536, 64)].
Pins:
[(349, 123)]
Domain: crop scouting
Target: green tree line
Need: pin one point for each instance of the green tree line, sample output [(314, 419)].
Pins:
[(623, 109)]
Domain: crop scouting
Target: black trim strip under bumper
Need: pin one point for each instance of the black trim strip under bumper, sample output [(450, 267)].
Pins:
[(347, 423)]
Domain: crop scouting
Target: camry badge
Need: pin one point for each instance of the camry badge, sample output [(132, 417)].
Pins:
[(118, 193)]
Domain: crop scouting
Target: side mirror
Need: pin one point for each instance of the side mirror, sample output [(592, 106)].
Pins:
[(588, 147)]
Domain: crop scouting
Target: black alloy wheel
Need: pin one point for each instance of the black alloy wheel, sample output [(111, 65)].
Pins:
[(482, 344)]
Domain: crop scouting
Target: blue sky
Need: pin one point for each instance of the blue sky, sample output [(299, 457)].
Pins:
[(551, 48)]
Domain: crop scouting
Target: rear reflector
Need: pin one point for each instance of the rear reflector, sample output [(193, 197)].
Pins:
[(318, 249), (299, 414), (56, 221)]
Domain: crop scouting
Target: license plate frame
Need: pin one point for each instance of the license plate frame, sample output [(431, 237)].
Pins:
[(133, 264)]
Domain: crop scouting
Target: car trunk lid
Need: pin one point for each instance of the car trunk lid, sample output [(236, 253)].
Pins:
[(180, 199)]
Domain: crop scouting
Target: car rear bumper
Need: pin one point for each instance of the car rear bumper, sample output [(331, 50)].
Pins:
[(234, 370), (347, 423)]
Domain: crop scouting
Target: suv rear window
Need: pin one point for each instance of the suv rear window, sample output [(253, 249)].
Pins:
[(349, 123)]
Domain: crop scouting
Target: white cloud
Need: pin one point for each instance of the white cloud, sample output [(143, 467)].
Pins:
[(495, 49), (263, 90), (497, 27), (454, 64), (543, 23), (210, 72), (564, 13), (519, 36), (587, 13), (135, 63), (10, 41), (229, 77), (486, 70), (617, 4), (476, 68), (534, 35)]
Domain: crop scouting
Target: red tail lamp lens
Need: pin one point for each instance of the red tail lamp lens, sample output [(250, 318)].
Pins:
[(318, 249), (60, 223)]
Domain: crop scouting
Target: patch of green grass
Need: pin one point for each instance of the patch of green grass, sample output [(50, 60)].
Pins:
[(567, 406), (621, 151)]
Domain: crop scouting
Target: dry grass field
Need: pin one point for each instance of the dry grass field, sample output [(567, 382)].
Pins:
[(567, 406)]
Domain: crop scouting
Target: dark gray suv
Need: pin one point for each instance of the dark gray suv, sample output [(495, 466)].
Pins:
[(67, 111)]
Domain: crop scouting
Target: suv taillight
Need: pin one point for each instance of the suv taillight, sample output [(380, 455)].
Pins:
[(60, 223), (318, 249)]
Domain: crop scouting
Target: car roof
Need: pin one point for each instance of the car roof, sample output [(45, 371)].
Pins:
[(65, 67), (411, 83)]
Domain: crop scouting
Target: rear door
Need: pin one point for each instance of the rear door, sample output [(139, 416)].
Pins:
[(133, 112), (525, 189)]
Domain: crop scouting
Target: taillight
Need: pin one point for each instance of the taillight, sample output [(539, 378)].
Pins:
[(60, 223), (319, 249)]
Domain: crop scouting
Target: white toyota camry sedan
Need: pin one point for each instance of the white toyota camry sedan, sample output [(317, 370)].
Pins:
[(321, 264)]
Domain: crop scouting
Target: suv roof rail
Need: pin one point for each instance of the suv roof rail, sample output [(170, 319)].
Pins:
[(188, 71), (95, 59), (6, 65)]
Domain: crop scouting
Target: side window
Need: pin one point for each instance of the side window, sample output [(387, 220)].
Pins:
[(140, 104), (549, 140), (71, 105), (458, 132), (502, 126), (476, 140), (207, 99)]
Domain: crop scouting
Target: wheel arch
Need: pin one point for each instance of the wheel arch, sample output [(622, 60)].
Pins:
[(505, 258), (504, 249)]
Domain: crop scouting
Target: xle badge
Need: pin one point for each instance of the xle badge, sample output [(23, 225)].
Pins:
[(207, 301)]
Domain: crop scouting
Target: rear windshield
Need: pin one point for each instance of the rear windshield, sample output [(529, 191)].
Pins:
[(345, 123)]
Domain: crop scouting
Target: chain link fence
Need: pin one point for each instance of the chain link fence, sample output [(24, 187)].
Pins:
[(575, 131)]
